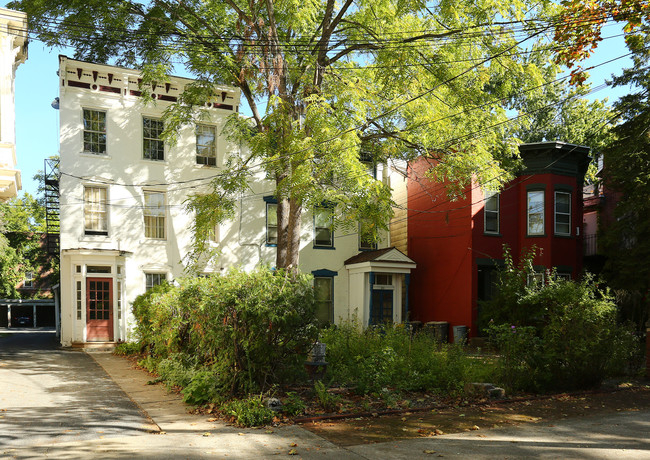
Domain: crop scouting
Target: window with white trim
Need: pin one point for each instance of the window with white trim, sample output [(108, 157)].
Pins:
[(324, 298), (535, 212), (491, 212), (271, 223), (206, 145), (28, 282), (154, 279), (95, 211), (79, 304), (563, 213), (94, 123), (153, 147), (323, 228), (154, 215)]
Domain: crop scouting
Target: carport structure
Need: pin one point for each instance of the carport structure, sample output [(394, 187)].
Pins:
[(43, 312)]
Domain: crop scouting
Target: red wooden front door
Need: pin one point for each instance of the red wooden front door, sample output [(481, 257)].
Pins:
[(99, 310)]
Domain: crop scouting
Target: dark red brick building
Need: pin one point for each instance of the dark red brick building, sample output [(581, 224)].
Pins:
[(458, 245)]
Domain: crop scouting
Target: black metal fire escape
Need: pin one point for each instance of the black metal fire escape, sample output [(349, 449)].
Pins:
[(52, 208)]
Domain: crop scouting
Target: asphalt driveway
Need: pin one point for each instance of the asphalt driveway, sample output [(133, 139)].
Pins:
[(49, 395)]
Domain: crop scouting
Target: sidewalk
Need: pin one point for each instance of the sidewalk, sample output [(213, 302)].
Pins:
[(173, 433)]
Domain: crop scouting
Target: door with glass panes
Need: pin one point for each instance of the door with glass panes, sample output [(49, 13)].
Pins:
[(99, 310)]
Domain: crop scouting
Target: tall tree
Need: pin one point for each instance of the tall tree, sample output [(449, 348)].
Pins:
[(22, 224), (324, 82), (626, 240)]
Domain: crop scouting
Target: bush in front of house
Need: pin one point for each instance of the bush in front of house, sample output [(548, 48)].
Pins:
[(248, 330), (570, 338), (370, 360)]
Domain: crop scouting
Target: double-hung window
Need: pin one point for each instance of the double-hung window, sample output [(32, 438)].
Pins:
[(154, 279), (153, 147), (29, 280), (563, 213), (154, 215), (535, 212), (323, 228), (324, 297), (95, 212), (271, 223), (491, 212), (366, 241), (94, 131), (206, 145)]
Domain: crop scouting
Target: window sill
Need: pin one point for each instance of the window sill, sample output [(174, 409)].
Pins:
[(537, 236), (559, 235), (103, 156), (155, 241), (271, 245), (157, 162), (498, 235), (202, 166), (95, 238), (324, 247)]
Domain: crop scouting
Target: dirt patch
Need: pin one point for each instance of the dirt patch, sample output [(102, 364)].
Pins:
[(479, 416)]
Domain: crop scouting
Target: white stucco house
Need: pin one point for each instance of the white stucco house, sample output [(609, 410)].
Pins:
[(13, 52), (124, 227)]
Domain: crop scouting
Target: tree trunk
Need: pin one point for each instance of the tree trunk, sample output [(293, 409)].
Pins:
[(289, 227)]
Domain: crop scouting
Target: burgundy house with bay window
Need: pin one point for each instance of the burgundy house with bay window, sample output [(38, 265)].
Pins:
[(458, 245)]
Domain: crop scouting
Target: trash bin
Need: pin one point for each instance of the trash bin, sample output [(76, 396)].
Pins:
[(439, 330), (413, 326), (460, 334)]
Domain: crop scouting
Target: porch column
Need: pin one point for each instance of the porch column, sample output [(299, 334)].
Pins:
[(407, 281), (371, 280)]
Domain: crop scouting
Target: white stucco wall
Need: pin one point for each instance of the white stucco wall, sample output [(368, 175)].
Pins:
[(126, 176), (13, 52)]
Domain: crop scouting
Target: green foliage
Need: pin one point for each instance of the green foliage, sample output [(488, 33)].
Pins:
[(22, 224), (326, 400), (293, 404), (323, 81), (625, 239), (250, 411), (252, 329), (202, 388), (374, 359), (127, 348), (570, 339)]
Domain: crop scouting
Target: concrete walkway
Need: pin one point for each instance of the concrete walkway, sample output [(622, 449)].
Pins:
[(172, 433)]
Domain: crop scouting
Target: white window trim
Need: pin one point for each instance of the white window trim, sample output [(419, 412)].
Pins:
[(497, 196), (164, 216), (90, 231), (556, 213), (528, 213), (103, 154), (142, 138), (331, 228), (146, 284), (214, 146)]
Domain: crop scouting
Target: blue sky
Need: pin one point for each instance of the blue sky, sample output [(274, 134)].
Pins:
[(37, 123)]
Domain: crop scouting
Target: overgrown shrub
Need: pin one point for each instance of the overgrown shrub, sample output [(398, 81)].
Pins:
[(251, 330), (127, 348), (293, 404), (249, 411), (570, 338), (373, 359)]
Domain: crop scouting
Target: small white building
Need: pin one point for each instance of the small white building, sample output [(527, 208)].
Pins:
[(124, 227), (13, 52)]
